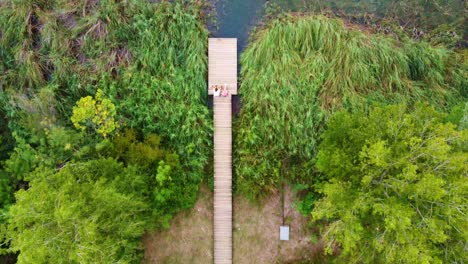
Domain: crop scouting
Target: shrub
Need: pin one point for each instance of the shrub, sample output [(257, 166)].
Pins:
[(170, 189)]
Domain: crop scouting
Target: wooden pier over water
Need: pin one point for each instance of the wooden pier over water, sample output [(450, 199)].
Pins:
[(222, 70)]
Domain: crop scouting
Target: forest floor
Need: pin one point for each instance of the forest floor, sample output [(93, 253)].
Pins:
[(256, 234)]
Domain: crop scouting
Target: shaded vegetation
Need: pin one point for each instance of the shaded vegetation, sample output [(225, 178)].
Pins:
[(435, 21), (397, 189), (299, 69)]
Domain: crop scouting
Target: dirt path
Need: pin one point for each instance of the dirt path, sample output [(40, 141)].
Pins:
[(256, 234)]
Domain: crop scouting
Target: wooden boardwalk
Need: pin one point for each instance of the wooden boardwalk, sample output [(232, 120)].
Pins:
[(222, 69)]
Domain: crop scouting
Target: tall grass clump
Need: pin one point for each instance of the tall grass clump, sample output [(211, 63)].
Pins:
[(164, 90), (298, 70)]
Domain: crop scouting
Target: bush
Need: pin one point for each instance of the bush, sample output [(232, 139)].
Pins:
[(170, 188)]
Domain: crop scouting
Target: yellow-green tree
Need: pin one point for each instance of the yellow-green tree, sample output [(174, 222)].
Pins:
[(88, 212), (96, 113), (397, 187)]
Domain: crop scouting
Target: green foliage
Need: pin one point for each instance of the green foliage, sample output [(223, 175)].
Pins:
[(171, 188), (6, 139), (147, 189), (53, 150), (299, 69), (164, 91), (5, 194), (459, 115), (397, 188), (28, 116), (89, 212), (97, 113), (150, 59), (436, 21), (6, 146), (146, 153), (306, 200)]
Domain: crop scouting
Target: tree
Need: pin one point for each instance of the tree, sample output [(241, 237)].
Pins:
[(81, 200), (88, 212), (397, 188), (98, 113)]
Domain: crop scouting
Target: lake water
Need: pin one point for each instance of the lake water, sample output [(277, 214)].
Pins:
[(235, 19)]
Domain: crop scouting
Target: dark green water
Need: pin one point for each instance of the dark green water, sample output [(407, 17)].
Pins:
[(235, 19)]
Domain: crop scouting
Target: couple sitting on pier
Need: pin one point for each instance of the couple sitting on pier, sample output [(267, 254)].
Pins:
[(220, 90)]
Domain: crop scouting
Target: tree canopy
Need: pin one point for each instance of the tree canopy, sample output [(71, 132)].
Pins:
[(88, 212), (396, 189)]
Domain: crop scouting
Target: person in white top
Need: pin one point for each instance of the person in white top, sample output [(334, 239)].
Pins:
[(217, 91)]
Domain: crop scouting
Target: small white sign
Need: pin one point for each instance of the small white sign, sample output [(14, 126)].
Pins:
[(284, 232)]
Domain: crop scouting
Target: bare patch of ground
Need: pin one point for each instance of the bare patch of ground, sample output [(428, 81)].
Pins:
[(256, 234), (189, 239)]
